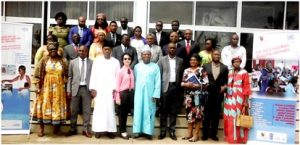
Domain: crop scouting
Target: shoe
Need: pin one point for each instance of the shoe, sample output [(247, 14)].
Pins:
[(215, 138), (204, 138), (150, 137), (87, 134), (162, 135), (110, 135), (193, 139), (186, 138), (124, 136), (172, 135), (137, 135), (97, 135), (70, 133)]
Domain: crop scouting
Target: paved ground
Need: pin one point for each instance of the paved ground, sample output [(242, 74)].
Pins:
[(79, 139)]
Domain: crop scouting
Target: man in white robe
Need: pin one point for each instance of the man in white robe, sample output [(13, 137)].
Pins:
[(102, 86), (147, 91)]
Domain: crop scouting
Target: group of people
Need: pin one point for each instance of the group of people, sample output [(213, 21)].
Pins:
[(116, 65), (278, 79)]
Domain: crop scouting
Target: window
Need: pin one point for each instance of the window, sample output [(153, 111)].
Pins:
[(267, 15), (168, 11), (292, 16), (222, 38), (113, 10), (216, 13), (24, 9), (72, 9), (246, 40)]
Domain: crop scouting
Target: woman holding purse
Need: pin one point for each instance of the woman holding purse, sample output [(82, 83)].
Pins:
[(236, 102)]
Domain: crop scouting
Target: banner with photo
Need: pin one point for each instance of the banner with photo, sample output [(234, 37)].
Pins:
[(275, 72), (16, 47)]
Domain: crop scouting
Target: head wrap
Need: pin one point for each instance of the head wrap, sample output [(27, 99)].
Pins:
[(144, 49)]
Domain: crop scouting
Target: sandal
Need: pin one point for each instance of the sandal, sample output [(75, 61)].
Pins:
[(186, 138), (193, 139)]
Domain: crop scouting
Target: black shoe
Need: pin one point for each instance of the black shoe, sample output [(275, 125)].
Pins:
[(162, 135), (215, 138), (150, 137), (137, 135), (172, 135), (97, 135), (70, 133), (204, 138), (110, 135)]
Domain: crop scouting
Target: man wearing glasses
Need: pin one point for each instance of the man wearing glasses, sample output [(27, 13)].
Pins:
[(161, 36)]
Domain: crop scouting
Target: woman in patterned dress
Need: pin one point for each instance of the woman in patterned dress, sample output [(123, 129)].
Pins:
[(236, 102), (195, 81), (61, 31), (51, 75)]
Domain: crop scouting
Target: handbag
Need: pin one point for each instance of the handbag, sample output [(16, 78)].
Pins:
[(244, 120)]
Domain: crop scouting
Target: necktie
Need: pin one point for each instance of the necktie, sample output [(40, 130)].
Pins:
[(80, 32), (82, 71), (188, 47), (114, 38)]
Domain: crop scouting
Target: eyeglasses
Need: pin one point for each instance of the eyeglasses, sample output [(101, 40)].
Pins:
[(174, 25), (52, 48), (126, 58), (159, 25)]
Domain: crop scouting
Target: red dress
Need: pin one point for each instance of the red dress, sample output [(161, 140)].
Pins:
[(237, 88)]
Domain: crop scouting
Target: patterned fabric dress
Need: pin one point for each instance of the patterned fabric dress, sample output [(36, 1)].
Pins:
[(50, 106), (61, 33), (195, 98), (237, 88)]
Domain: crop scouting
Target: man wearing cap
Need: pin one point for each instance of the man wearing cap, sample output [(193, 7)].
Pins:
[(102, 87), (147, 92)]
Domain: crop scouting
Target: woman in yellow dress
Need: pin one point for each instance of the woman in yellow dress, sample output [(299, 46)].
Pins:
[(51, 75), (209, 48), (96, 47), (61, 31), (42, 51)]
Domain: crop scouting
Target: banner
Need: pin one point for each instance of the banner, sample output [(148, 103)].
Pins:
[(16, 47), (274, 85)]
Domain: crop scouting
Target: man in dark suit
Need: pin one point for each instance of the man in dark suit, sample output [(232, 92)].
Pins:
[(161, 36), (118, 51), (113, 36), (86, 36), (124, 29), (78, 89), (171, 69), (71, 50), (175, 28), (217, 75), (189, 46), (180, 52)]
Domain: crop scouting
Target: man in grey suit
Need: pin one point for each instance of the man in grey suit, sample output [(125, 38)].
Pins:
[(118, 51), (156, 52), (171, 68), (124, 29), (78, 89), (71, 50)]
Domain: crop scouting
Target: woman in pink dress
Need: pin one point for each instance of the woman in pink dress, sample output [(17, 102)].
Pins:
[(236, 102)]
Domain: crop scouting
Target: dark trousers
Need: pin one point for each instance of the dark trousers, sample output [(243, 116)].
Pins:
[(169, 105), (126, 97), (82, 99), (212, 110)]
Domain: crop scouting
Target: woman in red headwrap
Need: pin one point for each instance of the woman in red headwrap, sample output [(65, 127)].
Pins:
[(236, 102)]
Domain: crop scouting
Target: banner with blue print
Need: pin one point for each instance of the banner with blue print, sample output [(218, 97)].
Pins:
[(274, 119), (15, 110)]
